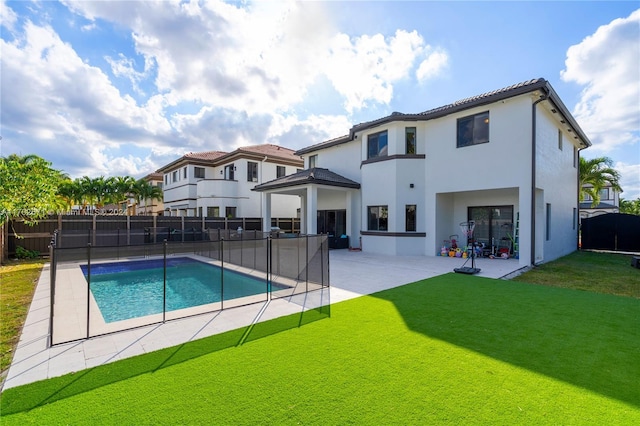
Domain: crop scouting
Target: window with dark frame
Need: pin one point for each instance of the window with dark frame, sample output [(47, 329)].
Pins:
[(313, 160), (548, 222), (410, 218), (198, 172), (229, 172), (213, 211), (410, 138), (280, 171), (174, 176), (560, 139), (377, 145), (252, 171), (166, 179), (473, 130), (604, 193), (230, 212), (184, 173), (378, 218)]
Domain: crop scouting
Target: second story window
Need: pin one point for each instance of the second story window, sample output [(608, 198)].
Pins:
[(410, 140), (377, 145), (184, 173), (280, 171), (604, 194), (473, 130), (313, 161), (166, 179), (228, 172), (252, 171), (174, 176), (560, 139), (198, 172)]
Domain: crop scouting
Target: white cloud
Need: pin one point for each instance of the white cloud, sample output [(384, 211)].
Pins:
[(7, 16), (630, 179), (432, 66), (364, 68), (217, 76), (607, 63), (69, 103)]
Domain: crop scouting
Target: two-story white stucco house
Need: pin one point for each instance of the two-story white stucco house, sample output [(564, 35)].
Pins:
[(609, 203), (402, 184), (219, 184)]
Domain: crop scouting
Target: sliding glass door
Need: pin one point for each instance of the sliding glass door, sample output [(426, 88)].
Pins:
[(494, 225)]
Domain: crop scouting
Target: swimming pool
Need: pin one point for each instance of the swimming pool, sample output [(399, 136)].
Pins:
[(125, 290)]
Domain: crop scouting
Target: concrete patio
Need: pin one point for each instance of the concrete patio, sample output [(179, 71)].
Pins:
[(352, 274)]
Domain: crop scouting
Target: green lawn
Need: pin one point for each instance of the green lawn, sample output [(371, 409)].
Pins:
[(451, 349), (18, 281), (608, 273)]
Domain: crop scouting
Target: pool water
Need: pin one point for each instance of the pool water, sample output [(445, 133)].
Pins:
[(125, 290)]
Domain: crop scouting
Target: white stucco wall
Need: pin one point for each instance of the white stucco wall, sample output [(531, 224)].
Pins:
[(557, 182)]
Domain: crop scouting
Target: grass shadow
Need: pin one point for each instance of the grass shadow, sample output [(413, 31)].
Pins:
[(34, 395), (586, 339)]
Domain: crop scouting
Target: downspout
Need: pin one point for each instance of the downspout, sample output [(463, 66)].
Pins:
[(533, 177), (578, 219)]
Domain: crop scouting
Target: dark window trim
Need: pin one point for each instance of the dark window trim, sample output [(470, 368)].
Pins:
[(394, 157), (415, 140), (472, 117), (377, 136), (394, 234)]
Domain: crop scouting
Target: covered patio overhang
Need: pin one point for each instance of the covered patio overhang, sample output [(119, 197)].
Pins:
[(311, 185)]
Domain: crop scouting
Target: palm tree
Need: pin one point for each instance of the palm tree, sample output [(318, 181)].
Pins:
[(596, 174), (121, 189), (143, 191)]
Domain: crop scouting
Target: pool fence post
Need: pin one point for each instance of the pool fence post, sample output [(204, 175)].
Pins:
[(307, 265), (88, 285), (322, 260), (118, 245), (221, 273), (164, 283), (52, 280), (269, 266)]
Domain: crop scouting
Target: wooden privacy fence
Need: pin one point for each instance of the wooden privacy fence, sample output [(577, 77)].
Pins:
[(38, 237)]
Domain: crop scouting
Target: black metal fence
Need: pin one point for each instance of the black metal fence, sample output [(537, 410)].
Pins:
[(97, 290), (612, 231)]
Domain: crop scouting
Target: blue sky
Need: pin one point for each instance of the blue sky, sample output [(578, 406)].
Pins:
[(122, 88)]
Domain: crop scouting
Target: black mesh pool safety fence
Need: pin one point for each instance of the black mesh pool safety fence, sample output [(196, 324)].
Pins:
[(97, 290)]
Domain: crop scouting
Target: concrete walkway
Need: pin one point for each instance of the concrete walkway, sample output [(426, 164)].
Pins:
[(352, 274)]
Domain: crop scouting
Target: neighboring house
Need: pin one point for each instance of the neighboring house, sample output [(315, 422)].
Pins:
[(149, 207), (402, 184), (219, 184), (609, 203)]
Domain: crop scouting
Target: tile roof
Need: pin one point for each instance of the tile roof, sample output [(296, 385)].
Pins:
[(271, 150), (460, 105), (315, 175), (207, 155)]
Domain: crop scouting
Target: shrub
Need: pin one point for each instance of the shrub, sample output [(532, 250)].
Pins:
[(23, 253)]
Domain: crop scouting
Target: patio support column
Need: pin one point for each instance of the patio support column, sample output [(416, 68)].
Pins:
[(266, 212), (311, 210), (352, 211)]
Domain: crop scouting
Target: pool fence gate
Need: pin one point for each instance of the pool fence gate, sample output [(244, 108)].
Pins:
[(278, 264)]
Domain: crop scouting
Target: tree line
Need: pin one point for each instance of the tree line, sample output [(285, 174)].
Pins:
[(31, 189)]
